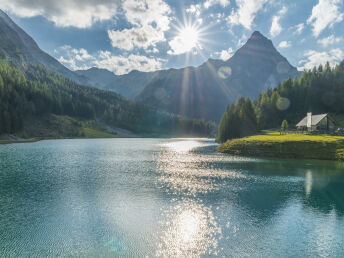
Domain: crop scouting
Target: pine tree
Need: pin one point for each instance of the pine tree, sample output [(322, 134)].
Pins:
[(223, 132), (284, 126)]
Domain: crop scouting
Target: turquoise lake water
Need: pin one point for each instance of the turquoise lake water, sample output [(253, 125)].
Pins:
[(165, 198)]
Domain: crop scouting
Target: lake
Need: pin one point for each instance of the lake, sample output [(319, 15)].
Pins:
[(167, 198)]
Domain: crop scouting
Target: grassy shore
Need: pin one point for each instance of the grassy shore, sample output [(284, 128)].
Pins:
[(297, 146), (57, 127), (19, 141)]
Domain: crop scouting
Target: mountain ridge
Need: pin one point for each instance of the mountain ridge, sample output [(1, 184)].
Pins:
[(19, 47), (196, 92), (254, 67)]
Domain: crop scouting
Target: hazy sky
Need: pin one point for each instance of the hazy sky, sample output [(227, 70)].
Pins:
[(156, 34)]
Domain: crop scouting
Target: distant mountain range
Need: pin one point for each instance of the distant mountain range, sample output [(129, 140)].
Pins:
[(204, 91), (196, 92)]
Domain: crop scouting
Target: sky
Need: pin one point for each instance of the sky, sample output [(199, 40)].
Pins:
[(148, 35)]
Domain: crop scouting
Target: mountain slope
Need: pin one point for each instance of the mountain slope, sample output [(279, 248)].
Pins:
[(18, 47), (35, 88), (38, 96), (205, 91), (195, 92), (128, 85)]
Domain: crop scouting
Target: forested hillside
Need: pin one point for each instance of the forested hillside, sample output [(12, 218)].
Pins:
[(37, 92), (320, 90)]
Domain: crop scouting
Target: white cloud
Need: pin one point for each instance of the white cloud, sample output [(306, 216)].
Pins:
[(210, 3), (142, 37), (330, 40), (218, 17), (284, 44), (80, 59), (315, 58), (123, 65), (299, 28), (194, 9), (148, 12), (153, 50), (325, 14), (225, 54), (74, 58), (69, 63), (183, 43), (150, 19), (64, 13), (276, 27), (246, 12), (242, 40)]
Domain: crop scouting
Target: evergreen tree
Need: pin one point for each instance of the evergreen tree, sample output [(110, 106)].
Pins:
[(320, 90), (35, 91), (284, 126), (223, 131)]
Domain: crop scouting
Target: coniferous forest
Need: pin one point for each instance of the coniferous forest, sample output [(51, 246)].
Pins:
[(320, 90), (34, 92)]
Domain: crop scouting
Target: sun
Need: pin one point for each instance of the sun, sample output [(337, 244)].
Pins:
[(189, 37)]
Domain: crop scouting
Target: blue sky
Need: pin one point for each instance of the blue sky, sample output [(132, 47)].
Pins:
[(148, 35)]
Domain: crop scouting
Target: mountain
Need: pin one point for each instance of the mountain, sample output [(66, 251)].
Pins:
[(128, 85), (195, 92), (42, 98), (39, 102), (18, 47), (206, 91)]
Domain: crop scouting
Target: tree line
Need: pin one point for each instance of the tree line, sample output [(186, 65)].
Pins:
[(36, 91), (320, 90)]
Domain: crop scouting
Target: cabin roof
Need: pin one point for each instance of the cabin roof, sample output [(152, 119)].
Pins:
[(316, 119)]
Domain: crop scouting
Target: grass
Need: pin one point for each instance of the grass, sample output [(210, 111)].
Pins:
[(54, 126), (57, 127), (26, 141), (299, 146), (96, 133)]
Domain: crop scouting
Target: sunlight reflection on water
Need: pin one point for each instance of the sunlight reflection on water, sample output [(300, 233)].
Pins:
[(190, 228), (183, 171), (183, 145), (190, 231)]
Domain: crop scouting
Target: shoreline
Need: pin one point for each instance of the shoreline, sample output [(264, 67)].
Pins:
[(320, 147), (20, 141), (32, 140)]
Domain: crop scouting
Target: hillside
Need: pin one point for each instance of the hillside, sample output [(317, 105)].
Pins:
[(320, 91), (32, 97), (204, 91), (18, 47), (196, 92), (128, 85)]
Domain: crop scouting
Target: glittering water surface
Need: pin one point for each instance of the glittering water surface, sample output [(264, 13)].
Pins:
[(165, 198)]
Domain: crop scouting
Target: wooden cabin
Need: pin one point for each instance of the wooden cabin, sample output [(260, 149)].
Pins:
[(322, 122)]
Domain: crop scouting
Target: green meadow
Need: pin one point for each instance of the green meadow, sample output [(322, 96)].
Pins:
[(297, 146), (55, 127)]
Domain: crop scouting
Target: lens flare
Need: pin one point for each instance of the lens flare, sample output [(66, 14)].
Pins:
[(224, 72), (283, 67), (283, 104)]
